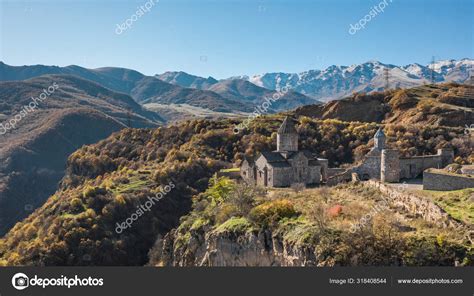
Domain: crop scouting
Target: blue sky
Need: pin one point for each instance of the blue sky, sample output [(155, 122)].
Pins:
[(222, 38)]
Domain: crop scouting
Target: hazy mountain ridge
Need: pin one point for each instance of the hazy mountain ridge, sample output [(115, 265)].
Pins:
[(141, 87), (187, 80), (183, 89), (238, 89), (106, 77), (152, 90)]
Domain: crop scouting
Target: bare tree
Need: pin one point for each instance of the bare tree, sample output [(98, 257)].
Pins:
[(243, 197)]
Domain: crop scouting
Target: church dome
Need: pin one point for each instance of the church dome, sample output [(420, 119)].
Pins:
[(287, 127), (379, 133)]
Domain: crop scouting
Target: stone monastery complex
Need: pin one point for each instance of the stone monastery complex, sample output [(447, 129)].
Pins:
[(289, 166)]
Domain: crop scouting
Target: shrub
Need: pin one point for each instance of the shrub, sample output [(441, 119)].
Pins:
[(199, 223), (120, 199), (91, 191), (317, 213), (426, 106), (271, 212), (234, 225), (225, 212), (243, 197), (219, 189), (335, 211), (402, 100), (76, 205)]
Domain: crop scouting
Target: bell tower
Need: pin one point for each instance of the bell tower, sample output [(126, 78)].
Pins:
[(287, 136), (379, 139)]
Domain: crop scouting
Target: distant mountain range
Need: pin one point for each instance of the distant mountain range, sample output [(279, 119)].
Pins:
[(187, 80), (169, 90), (177, 89), (336, 82), (235, 89), (143, 89)]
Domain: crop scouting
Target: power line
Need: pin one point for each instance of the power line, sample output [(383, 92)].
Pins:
[(129, 118), (470, 73), (432, 70), (386, 74)]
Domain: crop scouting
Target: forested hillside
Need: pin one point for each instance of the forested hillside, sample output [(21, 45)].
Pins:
[(105, 182)]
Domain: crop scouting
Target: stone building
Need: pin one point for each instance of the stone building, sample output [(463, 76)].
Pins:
[(435, 179), (370, 168), (386, 164), (287, 165), (467, 169)]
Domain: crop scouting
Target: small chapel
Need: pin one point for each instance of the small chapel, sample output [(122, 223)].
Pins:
[(287, 166)]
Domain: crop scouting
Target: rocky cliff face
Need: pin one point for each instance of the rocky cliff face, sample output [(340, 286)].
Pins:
[(262, 248)]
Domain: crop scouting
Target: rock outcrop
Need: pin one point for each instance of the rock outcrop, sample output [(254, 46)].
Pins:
[(262, 248)]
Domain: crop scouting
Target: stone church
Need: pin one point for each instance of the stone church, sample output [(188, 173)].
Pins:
[(287, 165), (386, 165)]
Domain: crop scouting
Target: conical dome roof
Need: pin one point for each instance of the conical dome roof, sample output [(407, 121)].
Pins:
[(287, 127), (379, 133)]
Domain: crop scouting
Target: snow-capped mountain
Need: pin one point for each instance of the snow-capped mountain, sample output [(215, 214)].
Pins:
[(336, 82), (339, 81)]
